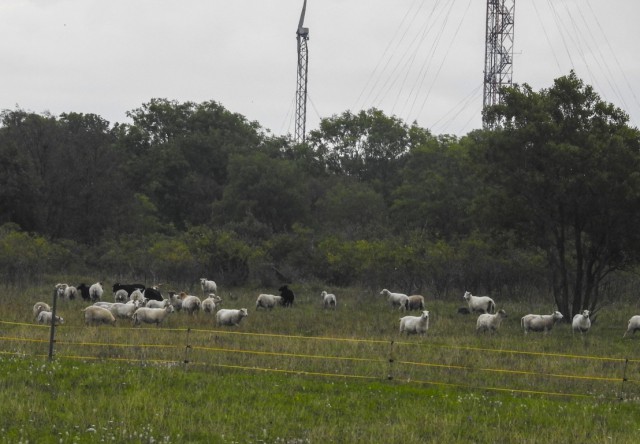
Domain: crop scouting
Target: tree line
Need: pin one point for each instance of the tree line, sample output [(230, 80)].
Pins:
[(545, 199)]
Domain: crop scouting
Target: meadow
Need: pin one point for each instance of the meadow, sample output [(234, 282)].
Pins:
[(309, 375)]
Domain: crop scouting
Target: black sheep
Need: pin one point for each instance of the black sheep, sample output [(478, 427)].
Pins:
[(287, 296)]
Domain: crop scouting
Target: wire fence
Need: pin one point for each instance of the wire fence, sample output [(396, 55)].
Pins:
[(415, 362)]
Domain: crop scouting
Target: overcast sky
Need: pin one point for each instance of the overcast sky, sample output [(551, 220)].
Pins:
[(420, 60)]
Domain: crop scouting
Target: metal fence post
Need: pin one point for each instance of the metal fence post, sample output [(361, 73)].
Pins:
[(186, 350), (391, 360), (53, 324)]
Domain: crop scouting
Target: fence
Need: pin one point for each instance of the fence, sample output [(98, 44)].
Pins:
[(416, 362)]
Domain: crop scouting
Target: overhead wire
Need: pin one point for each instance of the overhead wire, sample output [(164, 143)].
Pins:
[(444, 59)]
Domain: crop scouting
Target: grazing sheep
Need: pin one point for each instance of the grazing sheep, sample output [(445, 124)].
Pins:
[(581, 322), (190, 303), (152, 303), (38, 307), (152, 293), (123, 311), (208, 286), (633, 325), (230, 317), (287, 296), (60, 288), (95, 291), (44, 317), (268, 301), (209, 304), (543, 323), (399, 300), (95, 315), (175, 301), (121, 296), (482, 304), (490, 322), (70, 293), (328, 300), (84, 291), (416, 302), (415, 324), (151, 315), (136, 295), (128, 288)]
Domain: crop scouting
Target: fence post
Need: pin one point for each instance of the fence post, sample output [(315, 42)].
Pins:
[(391, 360), (53, 324), (624, 379), (186, 350)]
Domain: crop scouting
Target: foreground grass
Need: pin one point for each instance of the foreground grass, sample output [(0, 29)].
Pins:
[(74, 401)]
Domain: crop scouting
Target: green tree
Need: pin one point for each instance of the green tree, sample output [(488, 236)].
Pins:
[(562, 169), (368, 146), (265, 195), (179, 155)]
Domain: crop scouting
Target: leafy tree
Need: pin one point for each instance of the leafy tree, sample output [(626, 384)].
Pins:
[(180, 154), (266, 192), (562, 169), (438, 184), (368, 146), (352, 209)]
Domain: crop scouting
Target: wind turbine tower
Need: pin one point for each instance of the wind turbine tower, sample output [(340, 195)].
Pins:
[(302, 35), (498, 57)]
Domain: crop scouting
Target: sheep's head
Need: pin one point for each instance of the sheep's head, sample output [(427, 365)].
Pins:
[(557, 315), (585, 314), (385, 292), (323, 294), (502, 313), (467, 296), (425, 314), (244, 312)]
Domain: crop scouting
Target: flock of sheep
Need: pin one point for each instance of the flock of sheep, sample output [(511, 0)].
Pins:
[(489, 320), (146, 305)]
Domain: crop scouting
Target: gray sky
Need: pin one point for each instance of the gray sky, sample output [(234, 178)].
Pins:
[(420, 60)]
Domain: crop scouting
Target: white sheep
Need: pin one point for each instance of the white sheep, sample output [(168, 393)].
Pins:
[(152, 303), (416, 302), (98, 315), (209, 304), (415, 324), (230, 317), (490, 322), (633, 325), (396, 299), (543, 323), (176, 302), (581, 322), (190, 303), (103, 304), (95, 291), (151, 315), (121, 296), (38, 307), (328, 300), (208, 286), (60, 289), (268, 301), (44, 317), (70, 292), (482, 304), (123, 311), (136, 295)]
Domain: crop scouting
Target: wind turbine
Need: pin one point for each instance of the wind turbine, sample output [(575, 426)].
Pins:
[(302, 35)]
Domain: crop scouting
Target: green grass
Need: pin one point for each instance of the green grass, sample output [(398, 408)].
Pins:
[(309, 375)]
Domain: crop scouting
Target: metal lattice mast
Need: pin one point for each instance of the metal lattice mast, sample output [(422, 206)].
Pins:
[(498, 58), (302, 35)]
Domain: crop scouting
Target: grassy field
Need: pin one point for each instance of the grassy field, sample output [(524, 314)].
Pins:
[(308, 375)]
